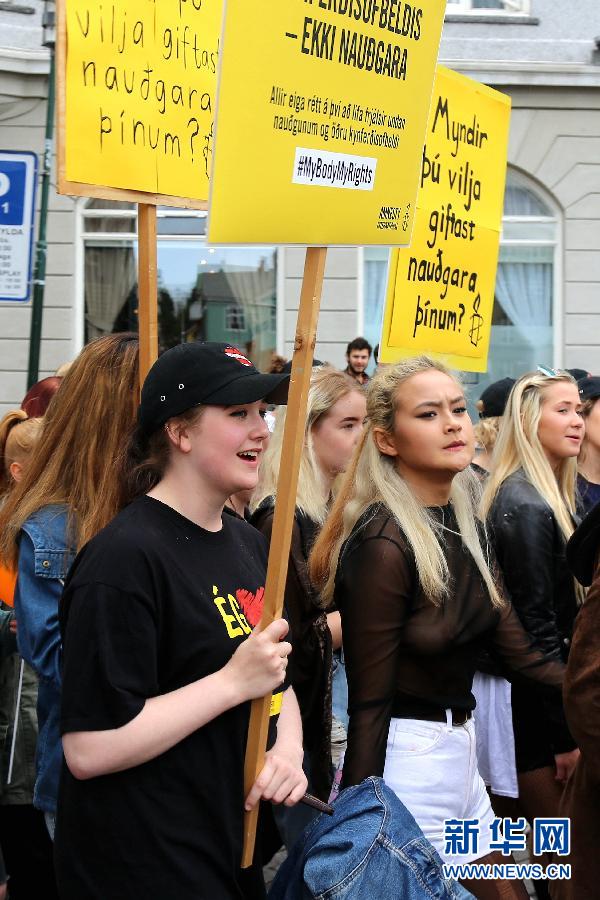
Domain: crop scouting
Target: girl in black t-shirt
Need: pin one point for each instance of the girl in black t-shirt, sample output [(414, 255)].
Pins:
[(160, 659), (407, 563)]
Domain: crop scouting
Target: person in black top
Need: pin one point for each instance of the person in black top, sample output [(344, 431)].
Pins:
[(335, 415), (358, 354), (529, 502), (588, 462), (409, 568), (490, 407), (160, 659)]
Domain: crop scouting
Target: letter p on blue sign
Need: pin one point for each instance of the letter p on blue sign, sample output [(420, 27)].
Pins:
[(12, 192)]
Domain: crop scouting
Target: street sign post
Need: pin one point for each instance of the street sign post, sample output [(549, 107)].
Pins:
[(18, 176)]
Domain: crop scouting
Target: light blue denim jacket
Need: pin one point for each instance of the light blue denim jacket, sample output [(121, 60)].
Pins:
[(44, 560), (370, 847)]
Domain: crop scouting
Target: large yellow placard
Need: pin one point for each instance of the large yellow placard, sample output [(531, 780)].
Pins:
[(140, 94), (322, 110), (440, 294)]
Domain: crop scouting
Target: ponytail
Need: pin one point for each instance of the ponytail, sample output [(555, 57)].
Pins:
[(18, 436)]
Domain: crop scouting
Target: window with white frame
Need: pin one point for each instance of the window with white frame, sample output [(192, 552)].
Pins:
[(235, 318), (207, 293), (523, 324), (520, 7)]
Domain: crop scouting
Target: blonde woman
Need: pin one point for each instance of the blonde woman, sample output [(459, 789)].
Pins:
[(406, 562), (335, 416), (529, 502), (18, 435)]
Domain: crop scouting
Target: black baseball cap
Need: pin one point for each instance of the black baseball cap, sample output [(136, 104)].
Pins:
[(578, 374), (495, 397), (589, 387), (204, 373), (288, 366)]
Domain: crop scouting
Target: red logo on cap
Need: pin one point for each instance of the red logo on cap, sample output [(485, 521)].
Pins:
[(234, 353)]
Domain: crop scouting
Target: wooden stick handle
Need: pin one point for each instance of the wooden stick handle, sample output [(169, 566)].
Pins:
[(147, 287), (287, 484)]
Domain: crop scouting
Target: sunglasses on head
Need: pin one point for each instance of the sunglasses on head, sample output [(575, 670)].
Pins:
[(548, 372)]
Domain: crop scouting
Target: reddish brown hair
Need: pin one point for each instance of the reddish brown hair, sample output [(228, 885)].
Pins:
[(36, 400)]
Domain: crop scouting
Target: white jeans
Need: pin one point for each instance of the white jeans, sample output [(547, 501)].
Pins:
[(432, 768)]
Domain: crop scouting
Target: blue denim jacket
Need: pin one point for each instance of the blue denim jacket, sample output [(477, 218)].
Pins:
[(44, 560), (370, 847)]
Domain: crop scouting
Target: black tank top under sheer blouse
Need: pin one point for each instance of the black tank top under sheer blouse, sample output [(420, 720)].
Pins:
[(403, 653)]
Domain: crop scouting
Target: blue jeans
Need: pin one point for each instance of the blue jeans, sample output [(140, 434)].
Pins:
[(339, 689)]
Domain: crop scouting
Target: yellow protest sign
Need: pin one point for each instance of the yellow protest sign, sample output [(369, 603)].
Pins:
[(440, 292), (139, 94), (322, 109)]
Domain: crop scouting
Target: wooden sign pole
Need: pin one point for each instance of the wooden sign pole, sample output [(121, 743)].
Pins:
[(147, 287), (291, 452)]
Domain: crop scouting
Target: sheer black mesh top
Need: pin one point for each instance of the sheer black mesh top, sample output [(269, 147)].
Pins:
[(403, 652)]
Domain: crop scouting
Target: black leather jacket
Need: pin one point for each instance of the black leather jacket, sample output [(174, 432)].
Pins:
[(531, 552)]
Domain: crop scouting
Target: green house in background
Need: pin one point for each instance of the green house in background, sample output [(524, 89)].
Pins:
[(237, 306)]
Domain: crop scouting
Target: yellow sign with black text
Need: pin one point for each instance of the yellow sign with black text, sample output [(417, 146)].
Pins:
[(322, 110), (140, 94), (440, 293)]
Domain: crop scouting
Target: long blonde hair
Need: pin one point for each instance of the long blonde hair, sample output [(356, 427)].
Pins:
[(486, 431), (327, 386), (372, 478), (80, 455), (518, 447), (18, 436)]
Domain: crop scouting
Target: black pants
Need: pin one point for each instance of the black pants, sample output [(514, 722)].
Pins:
[(27, 851)]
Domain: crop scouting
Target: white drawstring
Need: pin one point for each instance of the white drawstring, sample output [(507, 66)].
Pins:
[(16, 723)]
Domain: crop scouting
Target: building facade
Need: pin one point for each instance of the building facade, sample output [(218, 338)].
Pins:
[(543, 53)]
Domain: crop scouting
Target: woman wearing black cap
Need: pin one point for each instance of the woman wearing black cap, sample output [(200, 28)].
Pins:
[(160, 659), (588, 462), (490, 406)]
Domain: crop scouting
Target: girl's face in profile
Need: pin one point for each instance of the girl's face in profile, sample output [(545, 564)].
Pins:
[(561, 427), (592, 426), (432, 429), (336, 434)]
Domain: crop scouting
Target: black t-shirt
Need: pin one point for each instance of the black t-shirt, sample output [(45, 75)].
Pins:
[(153, 603)]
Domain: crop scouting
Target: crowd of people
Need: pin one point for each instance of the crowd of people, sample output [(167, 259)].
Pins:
[(437, 623)]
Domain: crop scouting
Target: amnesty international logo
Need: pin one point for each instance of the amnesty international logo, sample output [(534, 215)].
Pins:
[(476, 329)]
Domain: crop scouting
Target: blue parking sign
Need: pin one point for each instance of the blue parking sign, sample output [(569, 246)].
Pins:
[(18, 176), (12, 192)]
